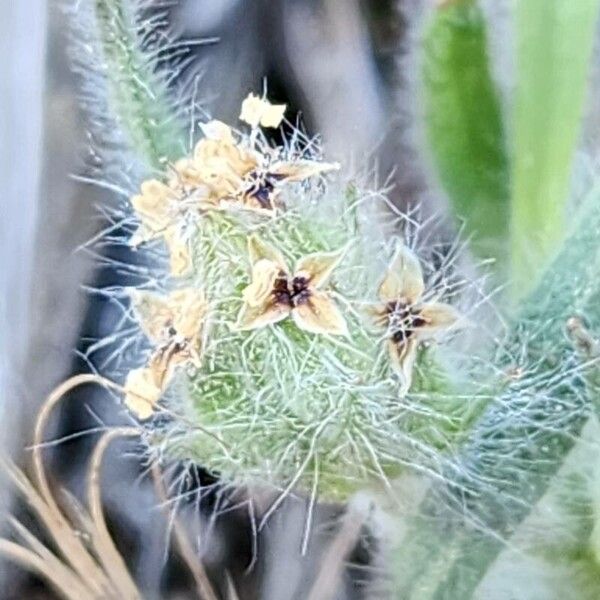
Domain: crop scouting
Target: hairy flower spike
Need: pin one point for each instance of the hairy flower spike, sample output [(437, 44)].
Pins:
[(303, 399), (174, 325), (275, 293), (408, 319)]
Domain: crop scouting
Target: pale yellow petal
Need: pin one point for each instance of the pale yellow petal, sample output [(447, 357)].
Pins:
[(154, 205), (141, 393), (189, 308), (180, 257), (217, 130), (264, 275), (403, 356), (220, 162), (152, 312), (258, 249), (438, 316), (254, 317), (319, 314), (257, 111), (318, 267), (300, 170), (272, 115), (404, 278), (184, 174)]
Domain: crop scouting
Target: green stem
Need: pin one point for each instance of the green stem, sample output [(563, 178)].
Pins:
[(138, 96)]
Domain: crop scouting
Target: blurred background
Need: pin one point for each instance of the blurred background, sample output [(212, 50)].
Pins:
[(350, 70), (335, 64)]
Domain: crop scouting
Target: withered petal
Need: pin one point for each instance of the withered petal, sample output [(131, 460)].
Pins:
[(141, 393), (320, 314), (437, 316), (183, 309), (217, 130), (299, 170), (189, 308), (153, 205), (318, 267), (402, 356), (254, 317), (258, 249), (404, 278), (258, 111), (180, 257), (264, 274), (151, 311)]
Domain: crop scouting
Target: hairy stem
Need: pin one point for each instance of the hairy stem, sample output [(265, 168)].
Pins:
[(138, 96), (521, 440)]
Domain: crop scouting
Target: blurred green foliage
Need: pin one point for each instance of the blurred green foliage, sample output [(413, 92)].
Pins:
[(510, 184), (464, 124), (554, 43)]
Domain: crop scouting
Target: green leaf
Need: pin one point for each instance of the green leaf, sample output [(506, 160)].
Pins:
[(464, 124), (554, 42)]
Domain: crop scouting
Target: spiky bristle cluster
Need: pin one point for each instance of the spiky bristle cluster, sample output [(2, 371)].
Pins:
[(278, 404)]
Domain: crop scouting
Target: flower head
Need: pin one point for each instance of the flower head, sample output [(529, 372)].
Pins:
[(407, 318), (276, 293), (223, 172), (258, 111), (174, 325)]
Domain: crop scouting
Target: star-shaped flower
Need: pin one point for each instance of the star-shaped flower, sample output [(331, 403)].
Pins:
[(259, 111), (276, 292), (407, 318), (174, 325)]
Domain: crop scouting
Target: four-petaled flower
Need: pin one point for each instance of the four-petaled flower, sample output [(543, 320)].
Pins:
[(259, 111), (275, 292), (174, 324), (408, 319)]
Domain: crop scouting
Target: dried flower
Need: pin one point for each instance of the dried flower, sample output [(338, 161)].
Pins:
[(405, 316), (141, 392), (174, 324), (222, 173), (275, 293), (259, 111), (263, 185), (160, 210)]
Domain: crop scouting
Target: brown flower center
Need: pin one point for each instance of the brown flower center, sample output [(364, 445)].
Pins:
[(404, 320), (261, 186), (291, 291)]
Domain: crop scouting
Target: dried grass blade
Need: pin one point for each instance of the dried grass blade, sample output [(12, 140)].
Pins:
[(61, 531), (106, 550), (57, 566), (35, 563), (325, 585)]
